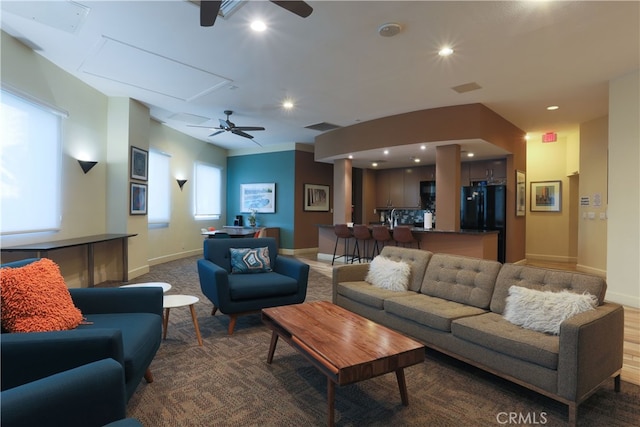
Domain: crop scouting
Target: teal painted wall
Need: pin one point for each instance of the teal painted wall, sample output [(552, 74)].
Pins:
[(276, 167)]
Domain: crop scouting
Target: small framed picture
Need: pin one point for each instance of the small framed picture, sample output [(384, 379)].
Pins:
[(316, 198), (546, 196), (258, 197), (138, 199), (139, 163)]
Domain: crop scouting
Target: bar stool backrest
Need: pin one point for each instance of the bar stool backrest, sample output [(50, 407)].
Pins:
[(402, 234), (342, 231), (361, 232), (381, 233)]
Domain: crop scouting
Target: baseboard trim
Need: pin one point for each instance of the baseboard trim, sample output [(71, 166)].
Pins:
[(591, 270), (296, 252), (174, 257), (552, 258)]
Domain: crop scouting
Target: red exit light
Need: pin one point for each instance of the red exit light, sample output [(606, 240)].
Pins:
[(550, 137)]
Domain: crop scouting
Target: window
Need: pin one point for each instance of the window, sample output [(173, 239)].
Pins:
[(159, 191), (208, 190), (30, 162)]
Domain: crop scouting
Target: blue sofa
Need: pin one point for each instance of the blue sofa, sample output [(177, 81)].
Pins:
[(236, 294), (91, 395), (125, 325)]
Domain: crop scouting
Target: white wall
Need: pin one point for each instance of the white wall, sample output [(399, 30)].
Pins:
[(623, 237), (102, 129)]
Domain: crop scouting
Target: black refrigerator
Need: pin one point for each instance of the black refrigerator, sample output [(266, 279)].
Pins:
[(484, 208)]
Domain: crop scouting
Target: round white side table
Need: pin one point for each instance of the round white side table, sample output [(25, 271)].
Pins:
[(165, 286), (173, 301)]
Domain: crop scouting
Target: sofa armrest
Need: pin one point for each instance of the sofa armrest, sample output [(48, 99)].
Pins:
[(590, 350), (295, 269), (30, 356), (214, 282), (347, 273), (89, 395), (118, 300)]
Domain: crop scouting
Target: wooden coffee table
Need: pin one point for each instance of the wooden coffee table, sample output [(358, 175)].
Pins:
[(344, 346)]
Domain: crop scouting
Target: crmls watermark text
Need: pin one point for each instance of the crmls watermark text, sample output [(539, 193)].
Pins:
[(530, 418)]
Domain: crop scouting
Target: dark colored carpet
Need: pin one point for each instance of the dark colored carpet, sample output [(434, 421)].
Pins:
[(227, 382)]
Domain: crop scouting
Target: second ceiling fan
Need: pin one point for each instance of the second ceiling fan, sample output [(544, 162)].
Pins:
[(228, 126), (209, 10)]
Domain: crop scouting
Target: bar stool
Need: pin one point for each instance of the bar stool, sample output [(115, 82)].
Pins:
[(362, 234), (402, 235), (342, 232), (381, 236)]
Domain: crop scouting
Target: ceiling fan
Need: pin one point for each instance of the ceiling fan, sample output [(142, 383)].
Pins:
[(228, 126), (209, 10)]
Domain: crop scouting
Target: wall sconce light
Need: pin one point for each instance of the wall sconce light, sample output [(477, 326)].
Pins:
[(86, 165), (181, 183)]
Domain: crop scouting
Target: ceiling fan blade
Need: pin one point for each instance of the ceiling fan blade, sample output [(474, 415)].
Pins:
[(300, 8), (248, 128), (216, 133), (209, 12), (204, 127), (240, 133)]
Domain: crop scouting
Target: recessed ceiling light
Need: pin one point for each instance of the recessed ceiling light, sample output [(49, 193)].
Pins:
[(470, 154), (423, 147), (287, 104), (552, 107), (416, 160), (351, 156), (258, 26), (386, 151), (445, 51), (374, 164)]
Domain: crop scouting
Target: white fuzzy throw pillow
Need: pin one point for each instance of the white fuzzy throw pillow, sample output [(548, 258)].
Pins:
[(544, 311), (388, 274)]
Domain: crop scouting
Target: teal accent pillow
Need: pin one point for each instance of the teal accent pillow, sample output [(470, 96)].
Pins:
[(250, 260)]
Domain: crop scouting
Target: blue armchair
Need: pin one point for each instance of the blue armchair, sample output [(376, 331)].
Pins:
[(91, 395), (236, 294), (123, 324)]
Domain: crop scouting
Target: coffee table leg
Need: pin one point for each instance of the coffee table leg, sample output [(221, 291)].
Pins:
[(195, 324), (402, 384), (165, 322), (272, 347), (331, 398)]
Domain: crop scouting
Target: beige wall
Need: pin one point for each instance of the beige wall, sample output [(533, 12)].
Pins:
[(592, 229), (548, 233), (623, 227), (102, 129)]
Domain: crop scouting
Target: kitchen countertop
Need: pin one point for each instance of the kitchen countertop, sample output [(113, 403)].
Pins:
[(432, 230)]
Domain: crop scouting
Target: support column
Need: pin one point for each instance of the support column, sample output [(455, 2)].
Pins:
[(342, 198), (448, 187)]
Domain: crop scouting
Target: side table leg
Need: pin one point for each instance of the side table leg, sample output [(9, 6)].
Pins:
[(272, 347), (195, 324), (402, 384), (165, 323), (331, 397)]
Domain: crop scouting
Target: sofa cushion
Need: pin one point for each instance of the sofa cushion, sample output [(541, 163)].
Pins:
[(35, 298), (436, 313), (417, 260), (364, 293), (388, 274), (543, 279), (250, 260), (140, 339), (544, 311), (492, 331), (263, 285), (461, 279)]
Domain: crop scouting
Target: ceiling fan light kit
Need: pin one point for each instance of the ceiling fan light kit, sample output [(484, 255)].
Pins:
[(210, 9)]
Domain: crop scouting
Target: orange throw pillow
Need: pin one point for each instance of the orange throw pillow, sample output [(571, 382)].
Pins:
[(35, 298)]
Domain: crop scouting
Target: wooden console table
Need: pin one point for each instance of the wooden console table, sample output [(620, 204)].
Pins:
[(41, 250)]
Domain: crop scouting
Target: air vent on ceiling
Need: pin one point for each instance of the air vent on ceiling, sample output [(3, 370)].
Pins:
[(322, 127), (467, 87)]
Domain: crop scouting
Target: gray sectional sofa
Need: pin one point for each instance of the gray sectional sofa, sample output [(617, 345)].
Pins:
[(455, 305)]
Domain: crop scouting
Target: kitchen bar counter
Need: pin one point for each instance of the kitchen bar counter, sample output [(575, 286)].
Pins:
[(473, 243)]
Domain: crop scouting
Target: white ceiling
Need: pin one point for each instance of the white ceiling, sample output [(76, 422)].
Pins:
[(334, 65)]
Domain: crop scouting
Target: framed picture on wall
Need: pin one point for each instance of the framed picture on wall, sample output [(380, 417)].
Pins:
[(139, 163), (316, 198), (521, 193), (138, 199), (546, 196), (258, 197)]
